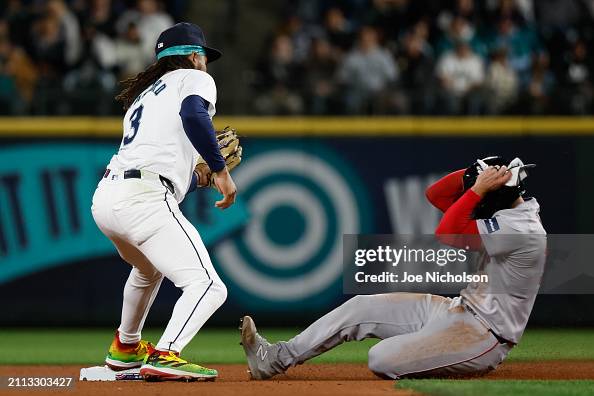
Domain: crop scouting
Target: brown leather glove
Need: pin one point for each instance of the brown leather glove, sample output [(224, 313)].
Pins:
[(230, 150)]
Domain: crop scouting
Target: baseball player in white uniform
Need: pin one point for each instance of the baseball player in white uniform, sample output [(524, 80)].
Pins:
[(428, 335), (167, 125)]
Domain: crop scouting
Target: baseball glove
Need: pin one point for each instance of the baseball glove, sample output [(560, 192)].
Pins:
[(231, 151)]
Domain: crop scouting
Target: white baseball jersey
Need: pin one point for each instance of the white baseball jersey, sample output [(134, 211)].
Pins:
[(515, 244), (154, 137)]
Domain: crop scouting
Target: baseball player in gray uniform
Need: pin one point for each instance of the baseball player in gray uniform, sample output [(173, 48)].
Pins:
[(427, 335)]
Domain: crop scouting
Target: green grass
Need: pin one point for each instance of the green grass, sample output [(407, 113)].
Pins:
[(554, 344), (88, 346), (498, 388)]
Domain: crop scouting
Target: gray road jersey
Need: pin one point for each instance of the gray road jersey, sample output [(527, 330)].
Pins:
[(515, 245)]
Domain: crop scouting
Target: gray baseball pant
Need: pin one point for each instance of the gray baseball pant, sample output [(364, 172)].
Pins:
[(422, 335)]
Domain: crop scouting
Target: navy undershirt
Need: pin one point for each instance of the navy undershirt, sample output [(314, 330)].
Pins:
[(199, 129)]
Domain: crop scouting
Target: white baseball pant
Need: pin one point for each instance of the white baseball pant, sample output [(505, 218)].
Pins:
[(142, 219)]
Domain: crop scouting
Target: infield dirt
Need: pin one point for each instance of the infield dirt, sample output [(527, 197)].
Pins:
[(327, 379)]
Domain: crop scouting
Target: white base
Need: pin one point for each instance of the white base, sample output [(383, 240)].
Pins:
[(104, 373)]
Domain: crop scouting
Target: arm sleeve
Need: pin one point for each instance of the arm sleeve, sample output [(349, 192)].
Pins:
[(458, 218), (199, 129), (193, 183), (444, 192), (457, 227)]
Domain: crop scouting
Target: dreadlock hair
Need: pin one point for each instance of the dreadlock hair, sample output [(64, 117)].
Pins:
[(134, 86)]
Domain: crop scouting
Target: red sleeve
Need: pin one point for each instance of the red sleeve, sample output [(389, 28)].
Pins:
[(457, 220), (444, 192)]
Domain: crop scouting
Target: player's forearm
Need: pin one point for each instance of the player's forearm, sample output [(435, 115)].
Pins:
[(444, 192), (457, 225), (199, 129), (458, 218)]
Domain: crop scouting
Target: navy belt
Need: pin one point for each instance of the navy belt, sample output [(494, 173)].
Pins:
[(136, 174)]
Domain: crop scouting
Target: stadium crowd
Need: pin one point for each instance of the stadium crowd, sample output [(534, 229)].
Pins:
[(448, 57), (430, 57), (60, 58)]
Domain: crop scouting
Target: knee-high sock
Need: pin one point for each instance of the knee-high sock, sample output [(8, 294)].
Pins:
[(139, 293)]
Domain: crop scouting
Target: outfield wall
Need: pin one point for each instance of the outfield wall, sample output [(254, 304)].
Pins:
[(303, 183)]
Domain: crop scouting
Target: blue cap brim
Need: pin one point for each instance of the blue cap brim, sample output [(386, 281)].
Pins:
[(212, 54)]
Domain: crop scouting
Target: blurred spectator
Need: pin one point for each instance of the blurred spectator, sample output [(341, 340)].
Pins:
[(100, 16), (128, 53), (461, 74), (367, 71), (20, 21), (464, 9), (524, 8), (17, 75), (521, 43), (91, 85), (420, 33), (389, 16), (301, 36), (49, 47), (8, 89), (124, 55), (320, 72), (538, 87), (520, 11), (577, 79), (75, 50), (339, 30), (279, 79), (49, 54), (69, 30), (460, 29), (151, 21), (416, 69), (501, 84)]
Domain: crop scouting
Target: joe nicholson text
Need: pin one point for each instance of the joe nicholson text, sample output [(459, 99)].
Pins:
[(427, 277)]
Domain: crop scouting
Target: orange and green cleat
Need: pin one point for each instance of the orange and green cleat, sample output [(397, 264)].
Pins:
[(168, 366), (125, 356)]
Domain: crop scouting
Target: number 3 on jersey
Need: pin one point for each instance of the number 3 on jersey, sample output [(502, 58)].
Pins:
[(134, 124)]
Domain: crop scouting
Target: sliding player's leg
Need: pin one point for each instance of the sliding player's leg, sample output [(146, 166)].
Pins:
[(376, 316)]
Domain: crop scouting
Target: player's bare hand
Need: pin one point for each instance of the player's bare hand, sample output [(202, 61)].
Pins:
[(491, 179), (226, 186)]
